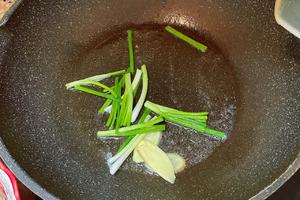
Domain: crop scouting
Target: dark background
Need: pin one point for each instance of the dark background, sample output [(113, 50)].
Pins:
[(289, 191)]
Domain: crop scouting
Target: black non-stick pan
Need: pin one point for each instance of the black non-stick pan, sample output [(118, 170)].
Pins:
[(249, 81)]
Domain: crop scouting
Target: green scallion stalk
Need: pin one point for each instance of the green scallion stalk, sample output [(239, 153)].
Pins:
[(116, 161), (119, 93), (186, 119), (130, 50), (174, 111), (187, 39), (196, 126), (125, 143), (123, 110), (105, 105), (110, 120), (94, 92), (115, 106), (129, 100), (144, 130), (215, 133), (101, 85), (150, 123), (196, 118), (189, 120), (144, 118), (135, 85)]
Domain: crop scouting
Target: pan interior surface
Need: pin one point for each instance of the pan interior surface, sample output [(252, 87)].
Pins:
[(248, 80)]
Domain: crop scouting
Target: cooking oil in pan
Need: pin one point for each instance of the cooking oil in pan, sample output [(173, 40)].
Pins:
[(181, 77)]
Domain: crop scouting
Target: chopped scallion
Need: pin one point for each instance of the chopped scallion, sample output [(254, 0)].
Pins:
[(187, 39)]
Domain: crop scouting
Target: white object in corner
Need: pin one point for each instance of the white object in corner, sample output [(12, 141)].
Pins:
[(5, 182), (287, 14)]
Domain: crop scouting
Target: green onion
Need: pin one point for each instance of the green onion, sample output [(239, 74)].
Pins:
[(121, 133), (129, 100), (95, 78), (122, 113), (94, 92), (216, 133), (125, 143), (186, 119), (178, 112), (155, 120), (105, 105), (123, 109), (144, 118), (116, 161), (135, 84), (115, 106), (130, 49), (195, 118), (142, 98), (187, 39), (101, 85), (196, 126), (196, 121), (119, 93)]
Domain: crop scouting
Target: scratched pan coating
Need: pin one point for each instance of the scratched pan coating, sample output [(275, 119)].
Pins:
[(249, 81)]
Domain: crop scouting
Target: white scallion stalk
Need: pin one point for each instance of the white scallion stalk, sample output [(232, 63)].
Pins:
[(135, 84), (116, 161), (140, 103), (94, 78), (136, 79)]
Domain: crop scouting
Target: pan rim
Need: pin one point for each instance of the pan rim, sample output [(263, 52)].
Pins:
[(36, 188), (22, 175), (278, 182)]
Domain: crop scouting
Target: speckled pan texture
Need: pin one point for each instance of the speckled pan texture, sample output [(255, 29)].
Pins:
[(249, 80)]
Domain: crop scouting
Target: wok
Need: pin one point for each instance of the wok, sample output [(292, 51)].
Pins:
[(249, 81)]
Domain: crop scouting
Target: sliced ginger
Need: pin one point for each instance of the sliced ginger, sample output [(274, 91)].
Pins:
[(157, 160)]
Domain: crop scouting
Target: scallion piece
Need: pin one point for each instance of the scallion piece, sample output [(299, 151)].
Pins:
[(105, 106), (177, 112), (121, 133), (94, 92), (144, 118), (95, 78), (115, 106), (129, 100), (142, 98), (135, 85), (187, 39), (101, 85), (125, 143), (115, 162), (196, 122), (122, 130), (130, 50)]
